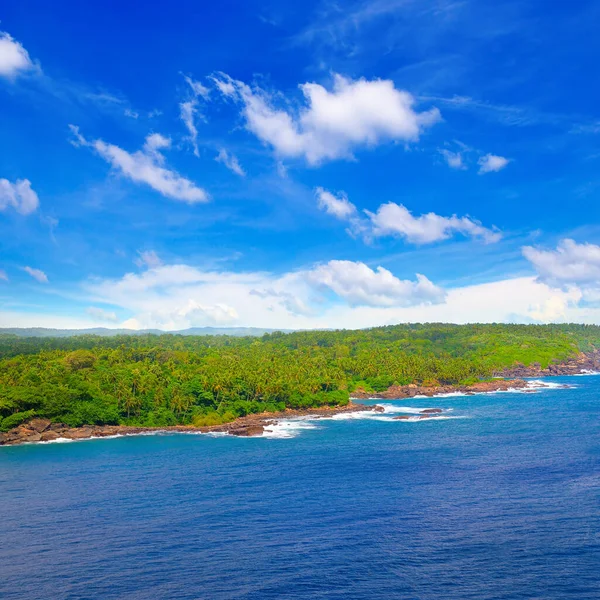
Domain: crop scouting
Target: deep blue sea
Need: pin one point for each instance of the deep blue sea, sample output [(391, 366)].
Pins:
[(499, 499)]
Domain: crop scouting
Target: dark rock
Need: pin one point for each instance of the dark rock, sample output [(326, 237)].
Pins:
[(431, 411), (39, 425), (248, 431)]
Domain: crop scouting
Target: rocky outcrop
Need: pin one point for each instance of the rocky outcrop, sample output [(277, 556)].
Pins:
[(581, 363), (396, 392), (413, 417), (248, 431), (42, 430)]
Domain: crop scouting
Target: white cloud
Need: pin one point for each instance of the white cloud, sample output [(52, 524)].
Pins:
[(396, 220), (332, 124), (37, 274), (393, 219), (148, 258), (454, 160), (570, 264), (188, 110), (490, 163), (225, 84), (14, 59), (147, 166), (230, 161), (338, 206), (198, 89), (160, 299), (18, 195), (3, 275), (362, 286), (291, 303), (180, 296), (99, 314)]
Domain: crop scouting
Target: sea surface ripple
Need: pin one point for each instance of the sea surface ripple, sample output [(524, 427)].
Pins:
[(503, 503)]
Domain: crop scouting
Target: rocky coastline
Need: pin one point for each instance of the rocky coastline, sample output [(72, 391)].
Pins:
[(43, 430), (582, 363), (396, 392)]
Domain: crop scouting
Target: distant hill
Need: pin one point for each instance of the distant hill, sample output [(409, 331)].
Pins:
[(104, 331)]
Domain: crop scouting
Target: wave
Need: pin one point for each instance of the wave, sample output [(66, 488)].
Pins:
[(392, 408), (416, 419), (586, 372), (287, 429), (361, 414)]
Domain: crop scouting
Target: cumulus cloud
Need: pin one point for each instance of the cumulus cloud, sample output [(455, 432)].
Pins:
[(569, 264), (490, 163), (230, 161), (146, 166), (178, 296), (517, 300), (293, 304), (19, 196), (360, 285), (37, 274), (337, 206), (396, 220), (332, 123), (99, 314), (14, 59)]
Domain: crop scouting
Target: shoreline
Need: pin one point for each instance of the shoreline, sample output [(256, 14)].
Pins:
[(43, 430), (400, 392)]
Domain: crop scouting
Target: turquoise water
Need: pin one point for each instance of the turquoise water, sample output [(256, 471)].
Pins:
[(500, 501)]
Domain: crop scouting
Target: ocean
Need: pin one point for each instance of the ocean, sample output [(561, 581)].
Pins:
[(499, 498)]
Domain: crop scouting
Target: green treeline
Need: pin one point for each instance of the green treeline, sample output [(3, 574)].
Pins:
[(158, 380)]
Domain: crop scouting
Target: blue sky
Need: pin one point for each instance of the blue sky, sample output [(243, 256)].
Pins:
[(334, 164)]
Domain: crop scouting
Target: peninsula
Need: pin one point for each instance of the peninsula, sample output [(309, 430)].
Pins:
[(88, 386)]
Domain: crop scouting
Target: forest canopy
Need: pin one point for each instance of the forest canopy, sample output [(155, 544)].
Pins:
[(159, 380)]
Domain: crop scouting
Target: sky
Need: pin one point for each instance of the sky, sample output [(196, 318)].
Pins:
[(298, 165)]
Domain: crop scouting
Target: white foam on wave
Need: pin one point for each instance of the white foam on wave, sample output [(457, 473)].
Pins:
[(361, 414), (538, 384), (446, 395), (56, 441), (416, 419), (586, 372), (287, 428), (392, 408)]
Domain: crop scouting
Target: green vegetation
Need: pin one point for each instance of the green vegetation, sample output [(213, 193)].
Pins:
[(159, 380)]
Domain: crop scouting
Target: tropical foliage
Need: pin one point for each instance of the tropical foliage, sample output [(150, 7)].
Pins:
[(158, 380)]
